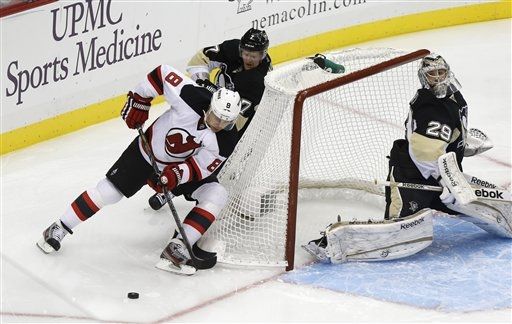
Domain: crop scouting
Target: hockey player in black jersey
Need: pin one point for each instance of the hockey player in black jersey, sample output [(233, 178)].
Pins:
[(436, 125), (189, 142), (243, 64), (431, 153)]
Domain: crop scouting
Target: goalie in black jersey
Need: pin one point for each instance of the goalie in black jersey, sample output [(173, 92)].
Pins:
[(436, 125), (435, 143)]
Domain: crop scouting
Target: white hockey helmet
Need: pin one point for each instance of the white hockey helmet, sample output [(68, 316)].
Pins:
[(224, 109), (435, 74)]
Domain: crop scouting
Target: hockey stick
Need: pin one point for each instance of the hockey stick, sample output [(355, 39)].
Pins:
[(482, 193), (198, 263)]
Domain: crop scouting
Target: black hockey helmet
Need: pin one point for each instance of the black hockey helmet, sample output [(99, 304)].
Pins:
[(254, 40)]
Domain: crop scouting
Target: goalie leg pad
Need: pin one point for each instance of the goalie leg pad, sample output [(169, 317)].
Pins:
[(492, 216), (386, 240)]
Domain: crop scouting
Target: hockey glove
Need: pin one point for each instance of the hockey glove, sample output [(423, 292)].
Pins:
[(205, 83), (476, 142), (171, 176), (136, 110), (326, 64), (154, 183), (446, 196)]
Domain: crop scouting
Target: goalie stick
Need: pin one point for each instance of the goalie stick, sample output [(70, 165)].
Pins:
[(198, 263), (482, 193)]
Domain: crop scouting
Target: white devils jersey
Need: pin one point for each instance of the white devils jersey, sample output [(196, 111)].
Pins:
[(180, 134)]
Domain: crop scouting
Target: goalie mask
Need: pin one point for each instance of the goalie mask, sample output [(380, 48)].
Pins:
[(224, 109), (435, 74)]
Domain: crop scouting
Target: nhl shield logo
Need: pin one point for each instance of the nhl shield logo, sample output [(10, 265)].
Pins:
[(244, 6), (180, 144)]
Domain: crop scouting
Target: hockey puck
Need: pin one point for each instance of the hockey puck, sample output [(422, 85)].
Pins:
[(133, 295)]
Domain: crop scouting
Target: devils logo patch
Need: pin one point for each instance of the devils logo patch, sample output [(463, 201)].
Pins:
[(180, 144)]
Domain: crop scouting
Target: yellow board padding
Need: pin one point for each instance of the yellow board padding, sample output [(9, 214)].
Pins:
[(64, 123), (390, 27), (102, 111)]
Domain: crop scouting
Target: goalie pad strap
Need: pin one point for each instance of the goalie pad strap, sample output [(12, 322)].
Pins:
[(386, 240)]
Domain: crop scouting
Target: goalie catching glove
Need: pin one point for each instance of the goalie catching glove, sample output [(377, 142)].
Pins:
[(136, 110), (476, 142)]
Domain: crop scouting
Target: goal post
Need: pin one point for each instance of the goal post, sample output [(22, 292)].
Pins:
[(312, 129)]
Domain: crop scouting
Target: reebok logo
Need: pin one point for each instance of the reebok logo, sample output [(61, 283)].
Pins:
[(448, 173), (412, 224), (412, 185), (489, 194), (482, 183)]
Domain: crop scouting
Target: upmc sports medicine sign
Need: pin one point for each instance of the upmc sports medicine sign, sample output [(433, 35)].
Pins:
[(79, 21), (73, 54)]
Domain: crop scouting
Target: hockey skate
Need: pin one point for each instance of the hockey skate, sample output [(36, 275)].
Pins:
[(52, 236), (317, 248), (174, 258), (157, 201)]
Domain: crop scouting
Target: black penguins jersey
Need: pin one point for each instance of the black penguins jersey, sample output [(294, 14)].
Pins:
[(180, 135), (435, 126), (248, 83)]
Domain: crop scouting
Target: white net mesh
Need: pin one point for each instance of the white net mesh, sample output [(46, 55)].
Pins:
[(346, 134)]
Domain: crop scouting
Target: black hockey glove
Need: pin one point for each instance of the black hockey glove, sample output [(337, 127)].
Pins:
[(205, 83)]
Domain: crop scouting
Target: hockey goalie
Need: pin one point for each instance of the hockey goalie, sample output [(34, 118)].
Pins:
[(430, 155)]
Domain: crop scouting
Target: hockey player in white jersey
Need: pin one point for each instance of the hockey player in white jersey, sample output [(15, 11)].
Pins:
[(431, 154), (189, 142), (242, 66)]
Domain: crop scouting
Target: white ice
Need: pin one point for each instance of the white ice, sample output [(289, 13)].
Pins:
[(114, 252)]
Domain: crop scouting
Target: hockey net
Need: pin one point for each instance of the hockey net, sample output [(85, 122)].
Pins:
[(312, 129)]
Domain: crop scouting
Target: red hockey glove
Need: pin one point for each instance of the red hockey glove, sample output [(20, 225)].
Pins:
[(136, 110), (171, 176), (154, 183)]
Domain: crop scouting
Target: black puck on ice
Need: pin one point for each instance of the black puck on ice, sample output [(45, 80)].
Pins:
[(133, 295)]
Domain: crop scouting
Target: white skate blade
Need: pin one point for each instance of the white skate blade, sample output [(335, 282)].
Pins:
[(45, 247), (183, 269)]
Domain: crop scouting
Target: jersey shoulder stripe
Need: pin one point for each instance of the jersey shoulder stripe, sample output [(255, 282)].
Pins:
[(155, 78)]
